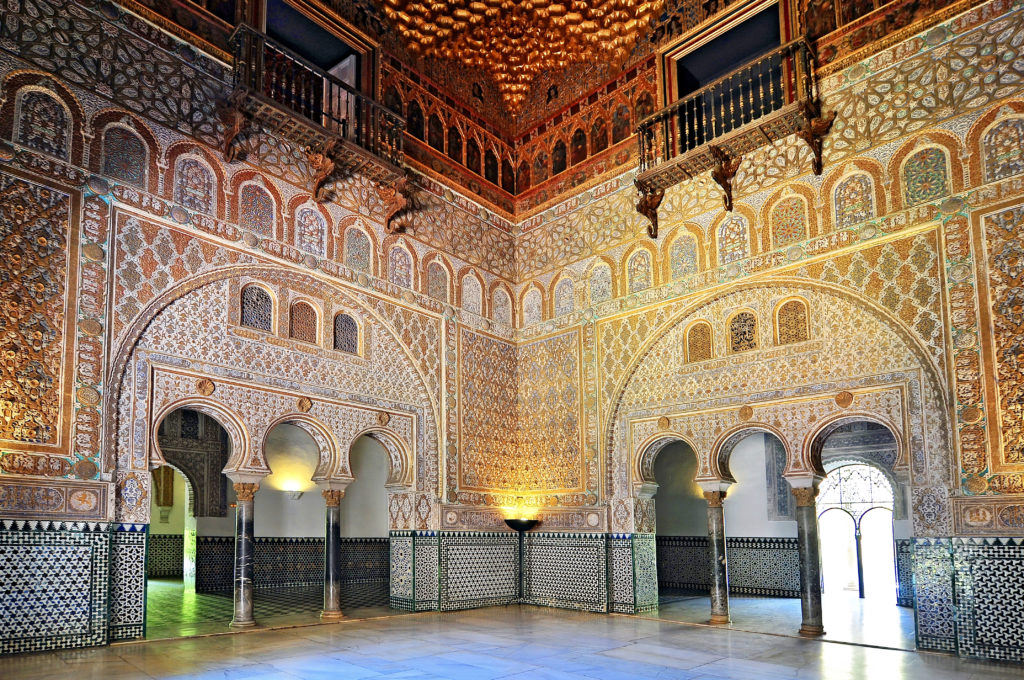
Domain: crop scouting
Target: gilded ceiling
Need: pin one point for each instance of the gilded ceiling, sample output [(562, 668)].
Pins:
[(517, 40)]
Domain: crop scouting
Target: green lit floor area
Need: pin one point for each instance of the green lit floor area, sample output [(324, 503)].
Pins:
[(173, 612)]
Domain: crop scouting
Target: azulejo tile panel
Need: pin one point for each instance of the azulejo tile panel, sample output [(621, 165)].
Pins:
[(933, 594), (905, 572), (757, 566), (128, 581), (989, 586), (566, 570), (478, 569), (43, 607), (166, 556)]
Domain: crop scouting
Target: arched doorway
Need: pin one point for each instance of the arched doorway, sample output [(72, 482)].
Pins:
[(364, 551), (681, 529), (189, 501), (861, 508)]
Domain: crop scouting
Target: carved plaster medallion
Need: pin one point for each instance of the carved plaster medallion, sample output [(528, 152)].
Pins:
[(205, 386), (746, 413), (844, 399), (383, 418), (305, 403)]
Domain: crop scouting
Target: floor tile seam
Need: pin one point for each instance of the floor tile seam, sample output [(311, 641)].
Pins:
[(791, 636)]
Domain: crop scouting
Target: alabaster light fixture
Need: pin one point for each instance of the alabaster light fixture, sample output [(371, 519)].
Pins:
[(515, 40)]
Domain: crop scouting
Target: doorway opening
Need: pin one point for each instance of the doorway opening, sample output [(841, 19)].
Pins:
[(189, 495)]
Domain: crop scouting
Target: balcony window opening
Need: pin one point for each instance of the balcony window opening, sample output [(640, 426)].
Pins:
[(730, 80)]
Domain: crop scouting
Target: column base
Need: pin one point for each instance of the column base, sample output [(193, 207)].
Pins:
[(719, 619), (328, 615), (242, 624), (811, 631)]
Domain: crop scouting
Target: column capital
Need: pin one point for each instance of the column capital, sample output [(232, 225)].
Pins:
[(714, 498), (333, 497), (246, 490), (805, 495)]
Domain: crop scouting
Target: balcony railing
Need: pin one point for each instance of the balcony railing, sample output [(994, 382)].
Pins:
[(755, 105), (311, 108)]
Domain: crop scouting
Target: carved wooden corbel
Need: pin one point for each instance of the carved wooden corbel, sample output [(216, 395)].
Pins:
[(724, 172), (234, 121), (813, 128), (395, 203), (648, 206), (323, 166)]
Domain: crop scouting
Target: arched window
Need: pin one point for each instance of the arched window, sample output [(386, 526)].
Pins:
[(578, 146), (491, 167), (854, 200), (501, 307), (523, 177), (598, 136), (257, 308), (638, 271), (435, 133), (791, 322), (346, 334), (124, 156), (393, 101), (540, 167), (302, 322), (644, 106), (194, 186), (400, 267), (414, 120), (743, 332), (508, 177), (733, 243), (1003, 149), (473, 156), (925, 176), (256, 209), (600, 283), (437, 281), (43, 123), (471, 294), (683, 256), (558, 158), (789, 221), (311, 231), (455, 144), (855, 488), (698, 342), (358, 251), (620, 124), (532, 307), (565, 297)]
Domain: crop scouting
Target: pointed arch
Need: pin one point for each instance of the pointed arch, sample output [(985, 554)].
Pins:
[(359, 246), (256, 204), (925, 169), (471, 291), (194, 179), (854, 193), (601, 281), (110, 119), (683, 253), (996, 143), (531, 304), (563, 297), (438, 277), (501, 304)]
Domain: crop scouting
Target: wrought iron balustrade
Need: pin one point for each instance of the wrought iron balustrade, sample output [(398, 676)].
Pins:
[(313, 109), (760, 102)]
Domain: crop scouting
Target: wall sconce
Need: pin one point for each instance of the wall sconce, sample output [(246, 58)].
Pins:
[(294, 495)]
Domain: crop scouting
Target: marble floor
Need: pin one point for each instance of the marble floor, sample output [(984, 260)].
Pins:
[(174, 612), (499, 642), (847, 618)]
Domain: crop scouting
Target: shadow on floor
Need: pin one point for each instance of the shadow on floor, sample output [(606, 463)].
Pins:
[(847, 618), (173, 612)]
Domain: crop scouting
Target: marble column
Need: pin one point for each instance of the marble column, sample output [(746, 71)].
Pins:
[(810, 560), (719, 566), (244, 555), (332, 557)]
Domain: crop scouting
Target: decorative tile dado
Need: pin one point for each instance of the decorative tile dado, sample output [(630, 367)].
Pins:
[(56, 585), (933, 594), (566, 570), (989, 586), (757, 566), (478, 569), (128, 581), (165, 557)]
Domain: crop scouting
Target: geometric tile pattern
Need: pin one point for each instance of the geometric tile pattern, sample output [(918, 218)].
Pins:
[(989, 589), (621, 596), (645, 572), (566, 570), (128, 581), (54, 591), (933, 594), (478, 569), (215, 563), (166, 556), (757, 566), (400, 567), (905, 572), (414, 570), (365, 575)]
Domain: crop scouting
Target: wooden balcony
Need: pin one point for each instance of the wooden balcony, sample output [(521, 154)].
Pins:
[(342, 130), (763, 101)]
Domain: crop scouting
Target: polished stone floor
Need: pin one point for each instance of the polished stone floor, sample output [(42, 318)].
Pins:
[(173, 612), (499, 642), (847, 618)]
